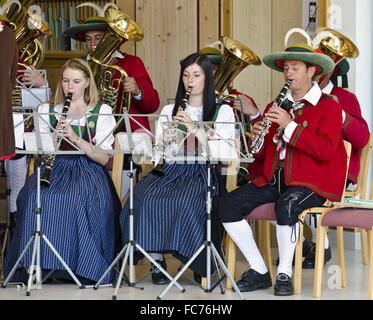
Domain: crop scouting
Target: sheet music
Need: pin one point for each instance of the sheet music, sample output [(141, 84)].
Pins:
[(19, 129), (46, 139), (142, 143), (32, 97), (224, 150)]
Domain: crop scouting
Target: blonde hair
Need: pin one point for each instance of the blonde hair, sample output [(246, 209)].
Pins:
[(90, 94)]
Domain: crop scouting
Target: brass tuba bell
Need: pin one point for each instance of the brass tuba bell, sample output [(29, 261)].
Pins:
[(236, 57), (28, 27), (121, 28), (334, 44)]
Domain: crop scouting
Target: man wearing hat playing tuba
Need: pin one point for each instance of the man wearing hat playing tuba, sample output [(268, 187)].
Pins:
[(303, 163), (145, 99), (355, 129), (248, 104)]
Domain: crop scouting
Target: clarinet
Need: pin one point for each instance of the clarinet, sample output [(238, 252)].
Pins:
[(258, 139), (49, 160), (158, 170)]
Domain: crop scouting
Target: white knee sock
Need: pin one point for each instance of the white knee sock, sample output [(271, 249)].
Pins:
[(242, 235), (286, 247), (17, 178), (311, 224)]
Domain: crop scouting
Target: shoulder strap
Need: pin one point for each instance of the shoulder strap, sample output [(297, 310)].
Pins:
[(218, 105), (92, 120), (52, 117)]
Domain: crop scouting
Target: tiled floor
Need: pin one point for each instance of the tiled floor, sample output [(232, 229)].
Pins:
[(357, 286)]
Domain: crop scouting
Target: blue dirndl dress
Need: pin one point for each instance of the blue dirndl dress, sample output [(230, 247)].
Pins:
[(79, 212), (170, 211)]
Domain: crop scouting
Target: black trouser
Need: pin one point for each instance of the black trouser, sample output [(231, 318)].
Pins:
[(290, 201)]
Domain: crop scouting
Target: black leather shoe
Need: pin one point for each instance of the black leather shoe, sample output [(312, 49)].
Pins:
[(252, 280), (283, 285), (157, 276), (309, 261), (307, 247)]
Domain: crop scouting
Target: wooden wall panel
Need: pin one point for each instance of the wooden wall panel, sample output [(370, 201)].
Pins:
[(252, 27), (226, 18), (287, 14), (209, 26), (128, 7), (170, 29)]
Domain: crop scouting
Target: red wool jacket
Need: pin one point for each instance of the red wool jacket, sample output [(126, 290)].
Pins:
[(150, 100), (315, 155), (355, 129)]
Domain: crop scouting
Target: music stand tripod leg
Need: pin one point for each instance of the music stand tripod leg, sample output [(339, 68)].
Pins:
[(130, 246), (124, 250), (14, 268), (208, 245), (62, 261), (37, 235)]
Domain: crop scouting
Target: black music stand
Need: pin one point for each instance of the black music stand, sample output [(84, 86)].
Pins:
[(38, 234), (207, 158), (128, 147)]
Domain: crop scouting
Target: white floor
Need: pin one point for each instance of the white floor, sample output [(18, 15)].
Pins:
[(357, 286)]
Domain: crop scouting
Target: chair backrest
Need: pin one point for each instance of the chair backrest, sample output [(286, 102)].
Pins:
[(117, 168), (362, 179), (348, 151)]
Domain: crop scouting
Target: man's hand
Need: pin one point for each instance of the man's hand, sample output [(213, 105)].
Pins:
[(257, 127), (247, 105), (278, 115), (130, 85), (29, 77)]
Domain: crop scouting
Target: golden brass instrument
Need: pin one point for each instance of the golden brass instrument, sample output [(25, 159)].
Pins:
[(121, 28), (236, 57), (29, 26), (334, 44)]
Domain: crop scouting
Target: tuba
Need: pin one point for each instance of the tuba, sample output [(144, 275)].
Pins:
[(28, 27), (121, 28), (236, 57), (335, 45)]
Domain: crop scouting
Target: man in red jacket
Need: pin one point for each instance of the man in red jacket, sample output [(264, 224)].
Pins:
[(303, 163), (145, 99), (355, 130)]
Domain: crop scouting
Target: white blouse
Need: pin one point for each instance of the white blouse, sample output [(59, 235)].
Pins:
[(104, 128), (221, 130)]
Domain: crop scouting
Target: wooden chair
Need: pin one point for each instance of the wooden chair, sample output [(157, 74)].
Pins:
[(264, 214), (359, 192), (361, 189), (340, 218)]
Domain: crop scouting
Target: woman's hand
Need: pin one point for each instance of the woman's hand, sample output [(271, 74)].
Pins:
[(65, 129), (183, 117)]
